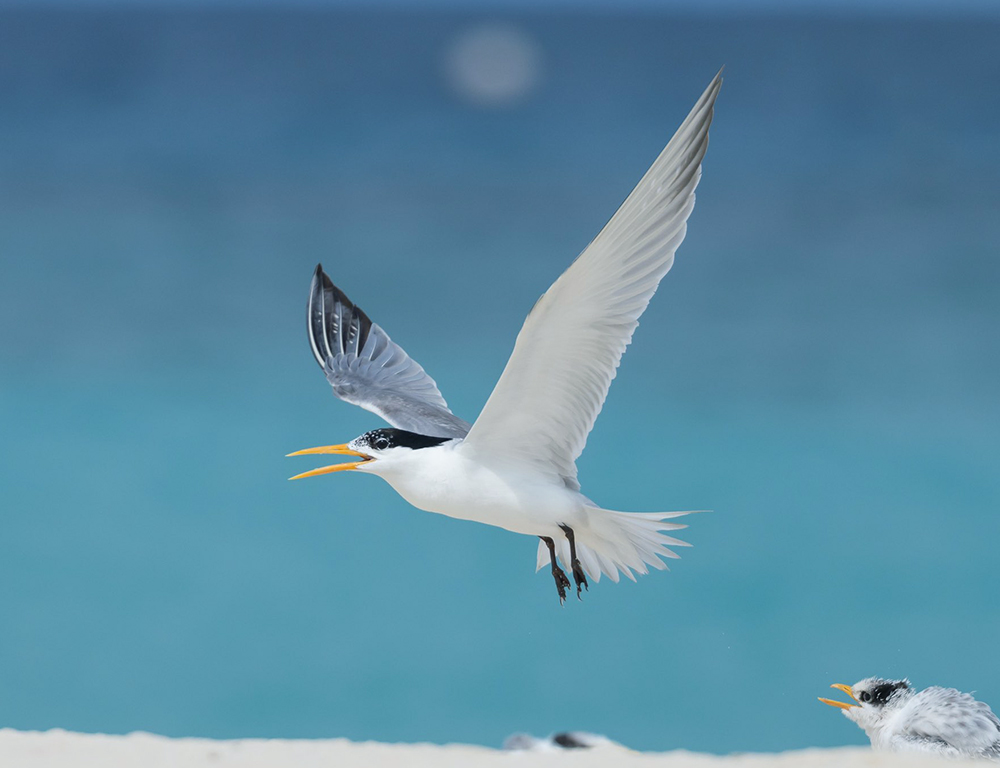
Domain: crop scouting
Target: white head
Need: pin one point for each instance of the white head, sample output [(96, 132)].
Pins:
[(875, 700), (377, 450)]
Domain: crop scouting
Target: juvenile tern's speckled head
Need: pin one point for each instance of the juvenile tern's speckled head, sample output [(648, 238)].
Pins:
[(378, 447), (875, 700), (897, 718)]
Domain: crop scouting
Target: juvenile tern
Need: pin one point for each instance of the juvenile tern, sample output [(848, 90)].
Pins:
[(938, 720), (524, 742), (515, 467)]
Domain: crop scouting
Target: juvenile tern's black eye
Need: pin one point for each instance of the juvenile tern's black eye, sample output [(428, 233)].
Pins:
[(865, 696), (381, 443)]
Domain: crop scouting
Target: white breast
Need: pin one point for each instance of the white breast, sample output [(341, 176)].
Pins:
[(448, 481)]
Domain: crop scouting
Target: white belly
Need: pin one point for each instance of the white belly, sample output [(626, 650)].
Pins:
[(446, 481)]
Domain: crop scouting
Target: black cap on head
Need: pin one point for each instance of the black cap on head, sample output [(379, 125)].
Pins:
[(880, 691), (390, 437)]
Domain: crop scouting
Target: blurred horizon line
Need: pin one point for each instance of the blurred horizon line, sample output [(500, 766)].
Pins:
[(853, 8)]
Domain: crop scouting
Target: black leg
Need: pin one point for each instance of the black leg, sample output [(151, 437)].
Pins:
[(557, 573), (578, 575)]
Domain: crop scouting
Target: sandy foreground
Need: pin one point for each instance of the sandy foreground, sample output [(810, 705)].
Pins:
[(32, 749)]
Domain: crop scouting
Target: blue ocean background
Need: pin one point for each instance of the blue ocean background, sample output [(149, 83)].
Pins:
[(820, 369)]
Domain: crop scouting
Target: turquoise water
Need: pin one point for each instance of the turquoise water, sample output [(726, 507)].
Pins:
[(819, 368)]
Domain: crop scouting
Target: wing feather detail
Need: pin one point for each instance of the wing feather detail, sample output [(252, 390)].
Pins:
[(953, 718), (366, 368), (566, 355)]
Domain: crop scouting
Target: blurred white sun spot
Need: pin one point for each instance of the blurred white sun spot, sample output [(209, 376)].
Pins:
[(493, 65)]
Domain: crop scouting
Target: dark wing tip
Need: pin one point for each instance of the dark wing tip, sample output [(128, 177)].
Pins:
[(323, 282), (315, 320), (333, 319)]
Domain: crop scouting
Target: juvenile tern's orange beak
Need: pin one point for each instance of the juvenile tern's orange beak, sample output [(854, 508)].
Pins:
[(846, 689), (341, 449)]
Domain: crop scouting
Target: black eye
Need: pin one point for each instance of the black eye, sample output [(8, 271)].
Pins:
[(865, 696), (381, 443)]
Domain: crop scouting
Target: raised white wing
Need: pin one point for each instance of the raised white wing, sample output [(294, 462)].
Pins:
[(366, 368), (568, 350)]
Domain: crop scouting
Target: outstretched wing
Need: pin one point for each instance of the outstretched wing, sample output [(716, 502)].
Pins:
[(366, 368), (566, 354)]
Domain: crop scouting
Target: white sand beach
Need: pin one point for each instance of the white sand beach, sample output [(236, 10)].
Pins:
[(49, 749)]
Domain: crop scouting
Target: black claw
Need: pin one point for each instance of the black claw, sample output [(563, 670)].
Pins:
[(562, 583), (578, 575), (580, 578), (557, 573)]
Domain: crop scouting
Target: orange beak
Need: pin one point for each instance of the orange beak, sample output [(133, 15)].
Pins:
[(340, 449), (840, 704)]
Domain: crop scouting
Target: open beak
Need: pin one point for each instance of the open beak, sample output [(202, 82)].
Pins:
[(341, 449), (840, 704)]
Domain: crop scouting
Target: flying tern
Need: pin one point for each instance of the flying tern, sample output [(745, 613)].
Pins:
[(938, 720), (515, 467)]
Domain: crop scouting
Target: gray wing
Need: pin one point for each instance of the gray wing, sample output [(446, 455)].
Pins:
[(366, 368), (955, 718)]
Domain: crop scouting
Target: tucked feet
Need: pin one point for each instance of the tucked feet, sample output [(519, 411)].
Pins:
[(578, 575), (557, 573)]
